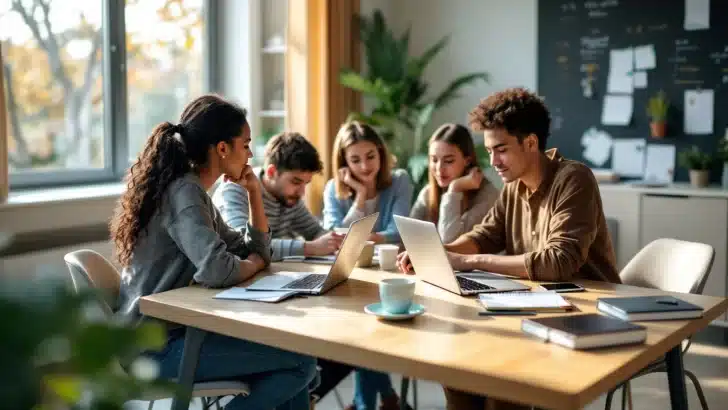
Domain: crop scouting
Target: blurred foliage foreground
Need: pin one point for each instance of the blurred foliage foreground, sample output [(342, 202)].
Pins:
[(58, 350)]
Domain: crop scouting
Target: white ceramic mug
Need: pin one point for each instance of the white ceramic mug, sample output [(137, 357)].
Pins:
[(388, 256)]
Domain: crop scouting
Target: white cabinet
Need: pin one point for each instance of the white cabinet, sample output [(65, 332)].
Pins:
[(689, 218), (624, 207)]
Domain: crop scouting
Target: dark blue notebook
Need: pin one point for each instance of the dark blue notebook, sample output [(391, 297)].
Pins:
[(637, 308), (585, 331)]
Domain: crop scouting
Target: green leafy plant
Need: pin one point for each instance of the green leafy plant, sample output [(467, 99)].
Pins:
[(657, 107), (395, 80), (695, 159), (57, 354)]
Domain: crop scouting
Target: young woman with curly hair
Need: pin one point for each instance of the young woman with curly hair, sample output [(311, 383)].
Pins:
[(168, 234)]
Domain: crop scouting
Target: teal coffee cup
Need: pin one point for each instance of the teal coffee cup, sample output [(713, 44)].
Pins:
[(396, 294)]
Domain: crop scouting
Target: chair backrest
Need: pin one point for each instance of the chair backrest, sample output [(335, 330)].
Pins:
[(670, 264), (90, 268)]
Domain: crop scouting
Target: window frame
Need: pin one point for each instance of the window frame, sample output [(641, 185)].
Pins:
[(116, 135)]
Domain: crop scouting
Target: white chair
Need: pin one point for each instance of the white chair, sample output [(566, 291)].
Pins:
[(89, 268), (675, 266)]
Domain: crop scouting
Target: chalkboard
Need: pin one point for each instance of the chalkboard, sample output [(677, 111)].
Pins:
[(577, 36)]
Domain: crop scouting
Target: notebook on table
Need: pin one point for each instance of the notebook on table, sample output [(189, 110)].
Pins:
[(639, 308), (533, 301), (585, 331), (238, 293)]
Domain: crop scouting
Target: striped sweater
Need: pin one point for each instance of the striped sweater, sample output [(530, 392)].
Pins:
[(290, 227)]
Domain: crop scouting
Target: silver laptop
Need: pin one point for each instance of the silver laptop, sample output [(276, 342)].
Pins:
[(318, 283), (429, 259)]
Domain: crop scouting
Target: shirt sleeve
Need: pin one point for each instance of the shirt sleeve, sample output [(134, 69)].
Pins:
[(403, 190), (419, 209), (572, 229), (490, 234), (334, 212), (305, 224), (193, 231), (232, 202)]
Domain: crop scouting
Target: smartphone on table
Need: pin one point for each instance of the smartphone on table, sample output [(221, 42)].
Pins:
[(562, 287)]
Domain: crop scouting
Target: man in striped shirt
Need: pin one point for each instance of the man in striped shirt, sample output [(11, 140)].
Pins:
[(290, 163)]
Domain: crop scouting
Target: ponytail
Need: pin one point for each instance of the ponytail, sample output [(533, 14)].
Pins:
[(162, 160)]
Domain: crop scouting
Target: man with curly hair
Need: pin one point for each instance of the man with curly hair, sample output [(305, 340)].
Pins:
[(548, 223)]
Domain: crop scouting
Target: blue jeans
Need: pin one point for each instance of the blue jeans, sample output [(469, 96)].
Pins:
[(277, 378), (367, 383)]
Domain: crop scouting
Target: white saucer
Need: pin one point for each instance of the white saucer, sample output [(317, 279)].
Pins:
[(376, 309)]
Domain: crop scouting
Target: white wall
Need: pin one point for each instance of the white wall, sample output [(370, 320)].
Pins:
[(496, 36)]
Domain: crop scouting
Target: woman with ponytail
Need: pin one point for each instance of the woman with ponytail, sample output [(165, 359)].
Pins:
[(168, 234)]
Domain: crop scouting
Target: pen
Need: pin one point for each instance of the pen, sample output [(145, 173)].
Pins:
[(506, 313)]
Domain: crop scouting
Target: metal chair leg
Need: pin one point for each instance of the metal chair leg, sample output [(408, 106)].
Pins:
[(698, 389), (403, 393), (151, 405), (608, 401), (339, 401), (625, 389), (414, 393)]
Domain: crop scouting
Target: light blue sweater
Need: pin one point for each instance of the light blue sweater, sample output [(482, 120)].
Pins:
[(394, 200)]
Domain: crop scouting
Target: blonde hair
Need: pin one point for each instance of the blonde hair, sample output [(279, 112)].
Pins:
[(349, 134)]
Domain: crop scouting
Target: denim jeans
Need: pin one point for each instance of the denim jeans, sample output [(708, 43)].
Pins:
[(277, 378), (367, 383)]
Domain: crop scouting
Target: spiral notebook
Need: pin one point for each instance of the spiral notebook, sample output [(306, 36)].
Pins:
[(536, 301)]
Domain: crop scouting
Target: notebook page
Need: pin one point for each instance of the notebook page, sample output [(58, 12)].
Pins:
[(524, 300)]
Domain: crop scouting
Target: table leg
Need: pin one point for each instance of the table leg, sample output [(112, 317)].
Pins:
[(187, 367), (403, 393), (676, 378)]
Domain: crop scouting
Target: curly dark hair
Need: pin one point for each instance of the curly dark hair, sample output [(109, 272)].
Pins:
[(169, 153), (291, 151), (517, 110)]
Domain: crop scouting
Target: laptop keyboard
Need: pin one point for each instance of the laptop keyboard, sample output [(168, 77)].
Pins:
[(312, 281), (467, 284)]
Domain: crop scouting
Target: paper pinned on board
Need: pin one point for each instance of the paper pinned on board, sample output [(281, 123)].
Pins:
[(644, 57), (621, 65), (597, 146), (660, 163), (628, 157), (640, 79), (617, 110), (699, 114), (697, 15)]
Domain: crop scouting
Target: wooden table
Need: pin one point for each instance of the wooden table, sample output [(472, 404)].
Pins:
[(449, 344)]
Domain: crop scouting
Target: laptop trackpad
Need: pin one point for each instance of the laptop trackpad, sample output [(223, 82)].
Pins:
[(275, 281)]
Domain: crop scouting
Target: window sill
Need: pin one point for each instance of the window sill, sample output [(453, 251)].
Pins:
[(33, 197)]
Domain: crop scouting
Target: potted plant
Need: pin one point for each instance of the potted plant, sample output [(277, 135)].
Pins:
[(394, 80), (698, 164), (657, 107)]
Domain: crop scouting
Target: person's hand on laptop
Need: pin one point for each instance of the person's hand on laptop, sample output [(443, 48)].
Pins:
[(458, 262), (326, 244)]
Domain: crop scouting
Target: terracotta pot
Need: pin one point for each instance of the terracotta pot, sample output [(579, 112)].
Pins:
[(658, 129), (699, 178)]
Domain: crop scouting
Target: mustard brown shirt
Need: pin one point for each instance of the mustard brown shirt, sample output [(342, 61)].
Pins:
[(560, 227)]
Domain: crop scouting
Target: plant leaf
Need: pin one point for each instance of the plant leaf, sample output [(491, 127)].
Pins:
[(417, 166), (450, 92), (67, 387), (418, 65)]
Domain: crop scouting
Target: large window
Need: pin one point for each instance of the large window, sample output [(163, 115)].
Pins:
[(87, 81)]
